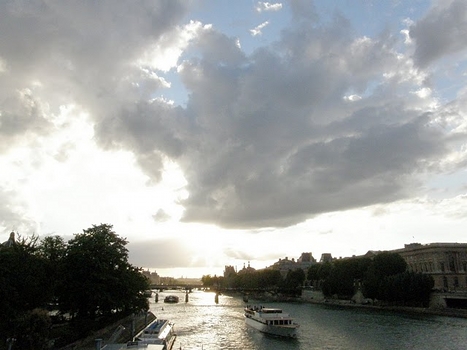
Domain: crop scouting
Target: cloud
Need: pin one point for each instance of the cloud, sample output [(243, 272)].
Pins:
[(23, 116), (279, 144), (12, 213), (266, 139), (258, 29), (442, 32), (77, 52), (352, 98), (85, 54), (266, 6), (163, 253), (161, 216)]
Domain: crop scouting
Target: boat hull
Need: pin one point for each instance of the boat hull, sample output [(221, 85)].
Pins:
[(280, 331), (160, 332), (171, 299)]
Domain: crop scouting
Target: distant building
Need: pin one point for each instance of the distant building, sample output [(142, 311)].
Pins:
[(325, 257), (286, 265), (445, 262), (305, 261), (248, 269), (229, 271), (153, 277), (306, 257), (10, 242)]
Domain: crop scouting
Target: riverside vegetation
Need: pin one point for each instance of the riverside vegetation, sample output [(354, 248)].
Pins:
[(383, 278), (55, 292)]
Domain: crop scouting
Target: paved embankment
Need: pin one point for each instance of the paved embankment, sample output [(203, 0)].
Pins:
[(318, 298), (128, 325)]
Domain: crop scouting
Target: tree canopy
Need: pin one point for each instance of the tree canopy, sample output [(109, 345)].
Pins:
[(88, 277), (383, 277), (103, 281)]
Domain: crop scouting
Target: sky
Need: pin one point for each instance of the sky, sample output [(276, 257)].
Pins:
[(213, 132)]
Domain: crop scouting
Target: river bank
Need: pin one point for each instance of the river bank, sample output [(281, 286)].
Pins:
[(317, 297), (451, 312), (118, 332)]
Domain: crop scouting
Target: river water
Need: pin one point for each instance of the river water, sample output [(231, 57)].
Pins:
[(200, 323)]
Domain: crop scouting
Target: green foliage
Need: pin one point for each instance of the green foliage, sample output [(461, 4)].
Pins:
[(408, 288), (312, 273), (88, 277), (388, 264), (24, 284), (261, 279), (294, 279), (384, 278), (383, 265), (98, 278), (210, 282), (269, 278), (324, 270), (52, 248), (33, 330)]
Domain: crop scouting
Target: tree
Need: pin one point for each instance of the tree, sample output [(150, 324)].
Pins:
[(383, 266), (408, 288), (98, 279), (24, 285), (294, 279), (341, 279), (388, 264), (269, 278), (33, 330), (52, 250)]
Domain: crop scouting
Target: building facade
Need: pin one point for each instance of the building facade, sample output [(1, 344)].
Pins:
[(445, 262)]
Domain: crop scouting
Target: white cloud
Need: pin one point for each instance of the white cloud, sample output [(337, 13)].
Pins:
[(258, 29), (352, 98), (164, 54), (266, 6)]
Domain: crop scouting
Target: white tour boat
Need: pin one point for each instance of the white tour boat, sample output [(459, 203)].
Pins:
[(159, 332), (157, 335), (271, 321)]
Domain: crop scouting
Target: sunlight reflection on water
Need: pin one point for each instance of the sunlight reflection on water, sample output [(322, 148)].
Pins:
[(203, 324)]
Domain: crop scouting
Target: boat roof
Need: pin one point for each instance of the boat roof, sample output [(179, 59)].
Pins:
[(155, 327), (134, 346), (270, 310)]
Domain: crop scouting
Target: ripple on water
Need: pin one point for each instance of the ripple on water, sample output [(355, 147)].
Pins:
[(203, 324)]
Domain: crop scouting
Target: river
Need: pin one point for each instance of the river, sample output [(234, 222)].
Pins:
[(202, 324)]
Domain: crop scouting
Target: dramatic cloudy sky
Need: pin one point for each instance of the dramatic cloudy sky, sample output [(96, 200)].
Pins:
[(213, 132)]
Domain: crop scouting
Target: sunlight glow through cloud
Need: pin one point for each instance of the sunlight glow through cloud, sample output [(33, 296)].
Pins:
[(330, 127)]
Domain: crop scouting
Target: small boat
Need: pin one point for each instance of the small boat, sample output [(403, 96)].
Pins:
[(271, 321), (133, 345), (159, 332), (157, 335), (171, 299)]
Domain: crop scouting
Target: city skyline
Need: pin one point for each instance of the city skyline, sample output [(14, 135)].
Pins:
[(210, 133)]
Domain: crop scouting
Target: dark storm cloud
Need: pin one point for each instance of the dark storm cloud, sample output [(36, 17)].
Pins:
[(269, 140), (443, 31), (286, 145), (53, 53), (265, 140)]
